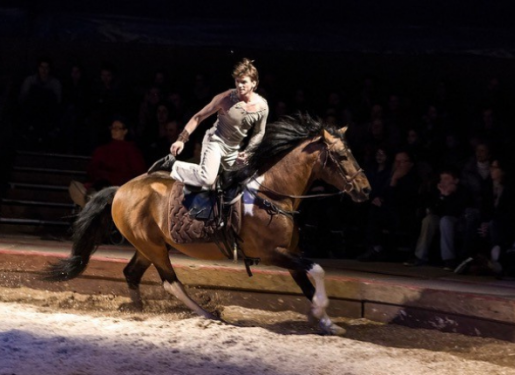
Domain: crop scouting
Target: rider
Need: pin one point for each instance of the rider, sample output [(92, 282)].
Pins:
[(239, 111)]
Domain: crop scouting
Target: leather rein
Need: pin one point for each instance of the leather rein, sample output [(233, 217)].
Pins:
[(272, 209)]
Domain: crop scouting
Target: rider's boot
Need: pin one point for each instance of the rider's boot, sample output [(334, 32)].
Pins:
[(163, 164)]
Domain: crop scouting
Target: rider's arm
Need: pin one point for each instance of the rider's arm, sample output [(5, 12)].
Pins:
[(258, 132), (215, 104), (205, 112)]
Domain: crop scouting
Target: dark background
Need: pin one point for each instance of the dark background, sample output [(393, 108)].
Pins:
[(314, 45)]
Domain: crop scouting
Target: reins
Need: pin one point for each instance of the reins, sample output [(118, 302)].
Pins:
[(348, 181), (267, 189)]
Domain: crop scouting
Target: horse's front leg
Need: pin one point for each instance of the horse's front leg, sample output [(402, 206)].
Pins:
[(300, 268)]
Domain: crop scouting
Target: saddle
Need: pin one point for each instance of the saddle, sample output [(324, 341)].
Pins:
[(205, 216)]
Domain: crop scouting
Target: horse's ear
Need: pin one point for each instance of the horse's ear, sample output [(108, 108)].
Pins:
[(343, 130), (327, 137)]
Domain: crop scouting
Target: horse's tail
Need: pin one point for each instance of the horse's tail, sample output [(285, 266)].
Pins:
[(89, 230)]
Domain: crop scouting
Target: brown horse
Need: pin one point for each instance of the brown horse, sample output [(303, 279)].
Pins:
[(294, 153)]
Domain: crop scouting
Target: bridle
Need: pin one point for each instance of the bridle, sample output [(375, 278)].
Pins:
[(348, 179), (328, 156)]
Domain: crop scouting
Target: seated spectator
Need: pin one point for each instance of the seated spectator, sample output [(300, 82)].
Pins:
[(147, 110), (161, 147), (195, 152), (107, 100), (475, 175), (443, 211), (395, 117), (395, 210), (331, 117), (162, 83), (432, 127), (201, 90), (370, 94), (280, 109), (416, 145), (378, 174), (76, 94), (498, 214), (491, 128), (178, 107), (300, 102), (40, 98), (114, 163), (452, 152), (375, 137)]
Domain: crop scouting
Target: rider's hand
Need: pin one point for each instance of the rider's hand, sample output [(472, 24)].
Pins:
[(176, 148), (242, 158)]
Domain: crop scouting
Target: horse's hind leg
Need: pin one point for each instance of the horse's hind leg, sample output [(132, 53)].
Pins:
[(300, 268), (177, 289), (158, 255), (133, 273)]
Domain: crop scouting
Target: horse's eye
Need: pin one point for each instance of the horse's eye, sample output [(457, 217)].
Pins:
[(344, 153), (342, 157)]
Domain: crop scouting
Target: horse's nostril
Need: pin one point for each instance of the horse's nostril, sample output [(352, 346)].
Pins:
[(367, 190)]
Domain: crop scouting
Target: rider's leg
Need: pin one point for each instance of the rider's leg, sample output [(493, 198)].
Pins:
[(203, 174)]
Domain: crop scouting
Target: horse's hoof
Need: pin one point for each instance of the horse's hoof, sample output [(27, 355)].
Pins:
[(131, 307), (207, 315), (332, 329), (311, 318)]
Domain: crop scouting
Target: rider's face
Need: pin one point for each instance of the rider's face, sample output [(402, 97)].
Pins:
[(245, 85)]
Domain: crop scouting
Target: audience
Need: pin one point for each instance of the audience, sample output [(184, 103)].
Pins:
[(394, 210), (427, 130)]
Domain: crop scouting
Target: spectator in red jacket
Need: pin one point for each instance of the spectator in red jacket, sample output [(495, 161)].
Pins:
[(114, 163)]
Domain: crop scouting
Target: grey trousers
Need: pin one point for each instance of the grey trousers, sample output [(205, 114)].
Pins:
[(431, 225), (215, 152)]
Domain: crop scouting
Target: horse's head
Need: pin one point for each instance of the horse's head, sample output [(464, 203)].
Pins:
[(340, 168)]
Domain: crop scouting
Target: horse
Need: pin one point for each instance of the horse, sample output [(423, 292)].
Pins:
[(295, 151)]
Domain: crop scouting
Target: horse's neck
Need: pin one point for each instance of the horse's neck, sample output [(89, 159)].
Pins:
[(294, 174)]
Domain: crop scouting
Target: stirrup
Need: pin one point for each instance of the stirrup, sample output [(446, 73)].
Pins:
[(163, 164)]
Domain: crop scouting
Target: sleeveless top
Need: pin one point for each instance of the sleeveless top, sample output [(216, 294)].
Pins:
[(233, 125)]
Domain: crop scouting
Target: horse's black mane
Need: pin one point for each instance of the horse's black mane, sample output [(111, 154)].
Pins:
[(282, 136)]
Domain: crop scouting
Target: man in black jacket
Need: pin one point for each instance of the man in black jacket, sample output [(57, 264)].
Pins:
[(443, 212)]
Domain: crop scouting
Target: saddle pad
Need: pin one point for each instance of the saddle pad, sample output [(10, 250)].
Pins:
[(186, 229)]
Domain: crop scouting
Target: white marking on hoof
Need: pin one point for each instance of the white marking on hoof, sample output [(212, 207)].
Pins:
[(332, 329), (178, 291), (320, 300)]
